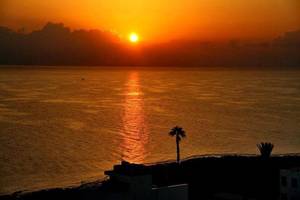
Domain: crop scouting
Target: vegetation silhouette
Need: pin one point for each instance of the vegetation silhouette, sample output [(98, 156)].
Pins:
[(265, 149), (179, 133)]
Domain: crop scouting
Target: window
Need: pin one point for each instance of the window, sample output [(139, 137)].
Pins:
[(283, 181), (294, 183)]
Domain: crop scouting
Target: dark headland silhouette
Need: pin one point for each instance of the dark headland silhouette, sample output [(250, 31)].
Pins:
[(250, 177), (207, 178), (56, 44)]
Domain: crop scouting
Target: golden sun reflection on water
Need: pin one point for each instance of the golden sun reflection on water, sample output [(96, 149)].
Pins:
[(134, 134)]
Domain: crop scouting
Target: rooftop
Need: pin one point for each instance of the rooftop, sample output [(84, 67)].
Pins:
[(129, 169)]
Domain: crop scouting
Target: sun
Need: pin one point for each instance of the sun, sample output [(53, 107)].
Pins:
[(133, 37)]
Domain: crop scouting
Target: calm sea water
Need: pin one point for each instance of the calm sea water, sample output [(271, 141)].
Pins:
[(60, 126)]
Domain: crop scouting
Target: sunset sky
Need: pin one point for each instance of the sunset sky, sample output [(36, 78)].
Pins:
[(160, 20)]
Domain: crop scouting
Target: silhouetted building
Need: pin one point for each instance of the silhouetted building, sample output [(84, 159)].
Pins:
[(134, 182)]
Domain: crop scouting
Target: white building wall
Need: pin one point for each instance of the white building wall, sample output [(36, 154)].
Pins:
[(173, 192), (140, 188), (290, 184)]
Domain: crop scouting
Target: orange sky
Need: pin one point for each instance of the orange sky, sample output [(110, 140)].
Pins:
[(160, 20)]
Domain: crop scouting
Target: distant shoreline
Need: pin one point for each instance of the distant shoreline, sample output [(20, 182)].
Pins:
[(151, 67)]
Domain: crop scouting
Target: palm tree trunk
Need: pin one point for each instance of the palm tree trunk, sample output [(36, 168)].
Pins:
[(178, 151)]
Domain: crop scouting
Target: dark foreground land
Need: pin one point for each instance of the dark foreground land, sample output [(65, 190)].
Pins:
[(249, 176)]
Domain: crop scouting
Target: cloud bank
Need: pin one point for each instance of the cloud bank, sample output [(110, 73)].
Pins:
[(56, 44)]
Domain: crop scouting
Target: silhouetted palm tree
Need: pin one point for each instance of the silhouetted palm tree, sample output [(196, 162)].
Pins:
[(265, 149), (179, 133)]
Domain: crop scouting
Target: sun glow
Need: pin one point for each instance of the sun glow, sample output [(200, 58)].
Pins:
[(133, 37)]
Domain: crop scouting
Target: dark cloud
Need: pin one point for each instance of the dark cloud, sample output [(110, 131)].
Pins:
[(289, 39), (56, 44)]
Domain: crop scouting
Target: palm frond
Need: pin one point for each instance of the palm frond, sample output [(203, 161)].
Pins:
[(182, 133), (265, 149), (172, 133), (177, 130)]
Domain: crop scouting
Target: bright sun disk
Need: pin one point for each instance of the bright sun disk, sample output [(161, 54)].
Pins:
[(133, 37)]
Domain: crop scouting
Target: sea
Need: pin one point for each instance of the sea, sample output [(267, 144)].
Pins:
[(63, 126)]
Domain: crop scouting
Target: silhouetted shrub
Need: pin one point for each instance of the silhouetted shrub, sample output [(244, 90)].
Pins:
[(265, 149)]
